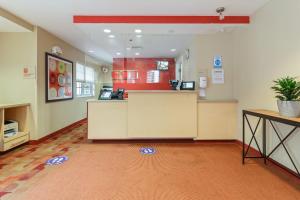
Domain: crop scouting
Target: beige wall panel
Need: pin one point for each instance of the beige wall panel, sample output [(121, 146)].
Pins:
[(162, 115), (217, 121), (107, 120)]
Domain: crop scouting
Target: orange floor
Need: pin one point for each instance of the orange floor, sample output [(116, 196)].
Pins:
[(175, 172)]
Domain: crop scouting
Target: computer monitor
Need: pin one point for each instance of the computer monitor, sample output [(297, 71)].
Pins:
[(105, 94)]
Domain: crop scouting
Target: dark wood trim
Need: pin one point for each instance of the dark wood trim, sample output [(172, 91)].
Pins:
[(58, 132), (272, 161)]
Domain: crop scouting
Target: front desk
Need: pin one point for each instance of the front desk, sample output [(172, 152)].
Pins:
[(161, 115)]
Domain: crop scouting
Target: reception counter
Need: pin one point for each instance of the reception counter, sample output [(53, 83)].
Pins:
[(161, 115)]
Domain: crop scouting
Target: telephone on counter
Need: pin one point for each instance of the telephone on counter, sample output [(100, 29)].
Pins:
[(119, 94)]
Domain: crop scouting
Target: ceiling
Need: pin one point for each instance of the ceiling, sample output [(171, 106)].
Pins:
[(9, 26), (56, 17)]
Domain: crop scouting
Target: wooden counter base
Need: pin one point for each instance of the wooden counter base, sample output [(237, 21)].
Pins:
[(161, 115)]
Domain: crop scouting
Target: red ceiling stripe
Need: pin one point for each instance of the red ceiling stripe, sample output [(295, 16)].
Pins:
[(162, 19)]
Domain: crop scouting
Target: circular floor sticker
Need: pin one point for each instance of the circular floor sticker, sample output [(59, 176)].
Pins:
[(147, 150), (57, 160)]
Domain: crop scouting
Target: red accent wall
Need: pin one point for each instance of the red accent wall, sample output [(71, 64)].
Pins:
[(131, 73)]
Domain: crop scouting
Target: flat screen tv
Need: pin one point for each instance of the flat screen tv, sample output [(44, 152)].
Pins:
[(162, 65)]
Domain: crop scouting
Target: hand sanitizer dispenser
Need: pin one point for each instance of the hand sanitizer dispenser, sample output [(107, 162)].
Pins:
[(202, 86)]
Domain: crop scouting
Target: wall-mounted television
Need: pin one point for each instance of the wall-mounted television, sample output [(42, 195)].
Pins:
[(162, 65)]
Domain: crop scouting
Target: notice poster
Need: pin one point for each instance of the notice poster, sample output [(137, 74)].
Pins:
[(218, 76)]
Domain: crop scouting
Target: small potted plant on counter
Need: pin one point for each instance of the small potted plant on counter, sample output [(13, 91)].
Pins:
[(288, 96)]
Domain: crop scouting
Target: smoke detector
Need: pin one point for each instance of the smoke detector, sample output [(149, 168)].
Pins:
[(220, 11)]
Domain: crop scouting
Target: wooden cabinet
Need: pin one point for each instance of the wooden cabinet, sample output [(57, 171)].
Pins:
[(18, 113), (217, 120)]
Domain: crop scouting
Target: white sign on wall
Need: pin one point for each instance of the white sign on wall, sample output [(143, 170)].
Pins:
[(218, 76), (29, 72)]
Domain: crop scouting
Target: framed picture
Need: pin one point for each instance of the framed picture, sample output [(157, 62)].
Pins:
[(59, 78)]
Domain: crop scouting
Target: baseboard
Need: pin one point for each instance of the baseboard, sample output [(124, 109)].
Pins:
[(58, 132), (215, 141), (274, 162)]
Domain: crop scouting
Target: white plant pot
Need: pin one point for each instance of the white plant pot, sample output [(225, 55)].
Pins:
[(289, 108)]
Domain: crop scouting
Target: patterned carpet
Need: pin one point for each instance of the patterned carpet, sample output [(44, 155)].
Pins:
[(27, 162), (118, 171)]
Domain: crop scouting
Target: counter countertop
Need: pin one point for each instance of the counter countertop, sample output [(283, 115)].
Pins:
[(217, 101), (107, 101), (199, 101), (162, 91), (14, 105)]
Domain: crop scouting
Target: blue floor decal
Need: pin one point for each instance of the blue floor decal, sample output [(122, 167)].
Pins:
[(57, 160), (147, 150)]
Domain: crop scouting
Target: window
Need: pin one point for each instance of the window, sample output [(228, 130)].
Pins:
[(85, 81), (153, 76)]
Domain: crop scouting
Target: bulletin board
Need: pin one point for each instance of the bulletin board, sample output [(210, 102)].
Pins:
[(59, 78)]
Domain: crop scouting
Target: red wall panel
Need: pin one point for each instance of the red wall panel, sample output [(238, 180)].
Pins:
[(126, 68)]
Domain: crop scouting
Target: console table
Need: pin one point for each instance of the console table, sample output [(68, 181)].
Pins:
[(271, 116)]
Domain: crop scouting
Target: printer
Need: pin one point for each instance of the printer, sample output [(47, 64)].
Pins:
[(11, 128)]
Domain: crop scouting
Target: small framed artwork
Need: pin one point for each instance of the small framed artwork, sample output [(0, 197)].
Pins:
[(59, 78)]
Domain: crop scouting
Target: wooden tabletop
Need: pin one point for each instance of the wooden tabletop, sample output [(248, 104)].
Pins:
[(13, 105), (272, 114)]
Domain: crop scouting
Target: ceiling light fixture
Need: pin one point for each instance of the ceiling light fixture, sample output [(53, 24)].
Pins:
[(220, 11), (111, 36), (91, 51), (128, 48), (173, 50), (118, 53), (137, 53), (139, 36), (107, 30), (137, 30)]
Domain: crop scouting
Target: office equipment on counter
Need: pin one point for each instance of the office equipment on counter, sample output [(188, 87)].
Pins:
[(109, 94), (119, 94), (110, 88), (174, 84), (187, 85), (105, 94)]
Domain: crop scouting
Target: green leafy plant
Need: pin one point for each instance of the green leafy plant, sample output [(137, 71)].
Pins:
[(287, 89)]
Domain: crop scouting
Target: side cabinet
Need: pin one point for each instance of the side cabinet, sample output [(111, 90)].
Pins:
[(18, 113)]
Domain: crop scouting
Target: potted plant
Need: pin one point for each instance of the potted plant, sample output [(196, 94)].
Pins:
[(288, 96)]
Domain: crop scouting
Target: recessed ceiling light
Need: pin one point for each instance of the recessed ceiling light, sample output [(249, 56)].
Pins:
[(139, 36), (107, 30), (137, 30), (91, 51), (173, 50), (137, 53), (111, 36), (118, 53)]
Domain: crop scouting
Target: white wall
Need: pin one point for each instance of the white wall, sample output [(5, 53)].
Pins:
[(57, 115), (18, 50), (202, 52), (268, 49)]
